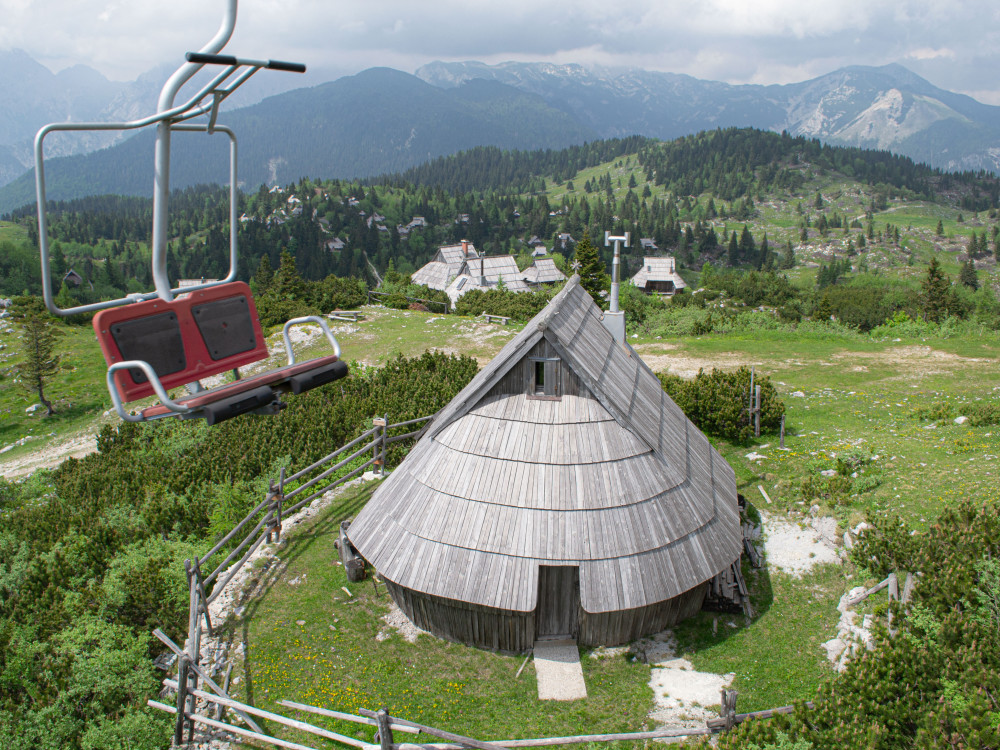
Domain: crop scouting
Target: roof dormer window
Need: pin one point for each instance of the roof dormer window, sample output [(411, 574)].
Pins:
[(544, 377)]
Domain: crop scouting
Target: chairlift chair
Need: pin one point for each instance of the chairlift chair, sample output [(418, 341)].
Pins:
[(156, 341)]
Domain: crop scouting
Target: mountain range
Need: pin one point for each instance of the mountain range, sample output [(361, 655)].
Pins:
[(383, 121)]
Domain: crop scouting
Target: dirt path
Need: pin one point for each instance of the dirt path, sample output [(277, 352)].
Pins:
[(49, 455)]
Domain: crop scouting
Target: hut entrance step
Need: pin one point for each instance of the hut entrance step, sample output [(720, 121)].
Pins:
[(557, 665)]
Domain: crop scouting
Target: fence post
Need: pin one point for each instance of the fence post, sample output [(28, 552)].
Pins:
[(385, 431), (727, 710), (194, 637), (384, 729), (379, 423), (182, 684), (756, 411)]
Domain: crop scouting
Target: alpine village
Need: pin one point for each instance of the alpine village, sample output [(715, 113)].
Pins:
[(594, 439)]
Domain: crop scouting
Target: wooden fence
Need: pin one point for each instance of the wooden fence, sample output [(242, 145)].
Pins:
[(262, 524)]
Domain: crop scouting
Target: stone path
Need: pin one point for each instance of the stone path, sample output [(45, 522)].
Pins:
[(560, 676)]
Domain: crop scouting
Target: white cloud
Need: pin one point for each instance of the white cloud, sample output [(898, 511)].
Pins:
[(929, 53), (758, 41)]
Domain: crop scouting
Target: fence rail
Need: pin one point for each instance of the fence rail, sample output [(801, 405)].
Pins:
[(265, 522)]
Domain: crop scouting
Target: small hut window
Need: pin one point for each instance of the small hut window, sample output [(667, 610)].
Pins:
[(544, 378)]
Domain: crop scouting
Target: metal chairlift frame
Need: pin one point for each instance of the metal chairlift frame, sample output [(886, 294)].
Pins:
[(170, 117)]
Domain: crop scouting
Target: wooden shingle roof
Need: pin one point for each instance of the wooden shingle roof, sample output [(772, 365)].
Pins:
[(447, 264), (543, 271), (611, 477), (658, 269)]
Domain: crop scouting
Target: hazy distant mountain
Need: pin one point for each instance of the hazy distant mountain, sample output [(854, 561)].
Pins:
[(32, 96), (376, 122), (886, 108), (382, 120)]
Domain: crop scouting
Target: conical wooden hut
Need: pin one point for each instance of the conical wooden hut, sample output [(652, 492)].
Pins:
[(561, 493)]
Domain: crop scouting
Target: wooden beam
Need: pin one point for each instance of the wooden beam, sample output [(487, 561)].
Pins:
[(278, 718), (344, 717), (873, 590), (199, 719), (208, 680), (464, 741)]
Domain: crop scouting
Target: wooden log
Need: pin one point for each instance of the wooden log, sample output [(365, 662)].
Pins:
[(873, 590), (523, 665), (464, 741), (279, 719), (208, 680), (344, 716), (199, 719), (575, 740), (761, 488)]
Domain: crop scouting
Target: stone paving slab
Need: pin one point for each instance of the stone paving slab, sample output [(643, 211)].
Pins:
[(560, 676)]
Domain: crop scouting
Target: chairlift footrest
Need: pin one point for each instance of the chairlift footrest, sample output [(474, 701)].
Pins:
[(241, 403)]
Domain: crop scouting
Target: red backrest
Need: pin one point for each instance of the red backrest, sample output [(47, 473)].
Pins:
[(197, 335)]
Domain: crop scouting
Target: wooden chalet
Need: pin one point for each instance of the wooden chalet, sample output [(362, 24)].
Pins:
[(560, 493), (542, 271), (445, 266), (485, 273), (659, 276)]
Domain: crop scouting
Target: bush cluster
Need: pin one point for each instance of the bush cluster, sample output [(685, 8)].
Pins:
[(719, 402), (519, 306), (91, 554), (936, 681)]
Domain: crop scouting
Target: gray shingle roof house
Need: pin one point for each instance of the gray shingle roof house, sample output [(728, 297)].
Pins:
[(561, 492), (485, 273), (658, 276), (445, 266), (542, 271)]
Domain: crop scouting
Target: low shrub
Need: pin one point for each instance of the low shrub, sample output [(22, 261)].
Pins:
[(719, 402)]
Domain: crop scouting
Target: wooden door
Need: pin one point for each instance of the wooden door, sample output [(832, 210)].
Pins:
[(558, 610)]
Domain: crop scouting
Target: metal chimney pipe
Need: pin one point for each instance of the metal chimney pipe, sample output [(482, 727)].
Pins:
[(614, 318)]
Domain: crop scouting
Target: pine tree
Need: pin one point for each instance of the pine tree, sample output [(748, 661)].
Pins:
[(968, 275), (39, 361), (287, 283), (940, 229), (593, 276), (265, 274), (733, 253), (934, 297)]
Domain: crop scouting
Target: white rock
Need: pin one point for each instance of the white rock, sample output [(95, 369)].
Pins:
[(961, 420), (798, 394), (829, 472)]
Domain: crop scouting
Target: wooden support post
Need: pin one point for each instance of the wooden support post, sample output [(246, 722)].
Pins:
[(727, 709), (220, 711), (182, 682), (908, 584), (385, 431), (194, 641), (202, 596), (893, 597), (384, 729), (756, 411)]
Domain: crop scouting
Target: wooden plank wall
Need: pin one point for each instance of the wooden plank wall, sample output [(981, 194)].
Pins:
[(519, 378), (503, 630), (616, 628), (497, 629)]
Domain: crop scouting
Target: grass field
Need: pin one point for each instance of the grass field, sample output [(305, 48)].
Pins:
[(847, 396)]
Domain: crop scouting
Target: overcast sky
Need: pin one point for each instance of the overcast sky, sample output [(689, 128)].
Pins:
[(954, 43)]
